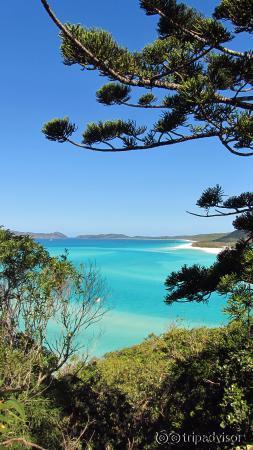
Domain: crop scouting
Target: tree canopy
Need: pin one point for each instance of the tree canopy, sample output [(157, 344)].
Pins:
[(197, 283), (193, 73), (36, 289)]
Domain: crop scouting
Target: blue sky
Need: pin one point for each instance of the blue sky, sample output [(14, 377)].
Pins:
[(46, 186)]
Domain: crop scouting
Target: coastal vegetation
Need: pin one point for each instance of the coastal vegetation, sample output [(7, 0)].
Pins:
[(38, 291), (186, 379), (186, 382)]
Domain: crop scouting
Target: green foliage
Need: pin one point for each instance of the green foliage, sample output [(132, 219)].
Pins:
[(239, 201), (243, 129), (113, 93), (240, 12), (36, 288), (183, 380), (237, 409), (45, 420), (58, 129), (98, 43), (147, 99), (177, 17), (240, 303), (12, 415), (169, 122), (240, 292), (31, 283), (208, 82), (211, 197), (172, 58), (231, 275), (245, 222), (105, 131), (226, 72), (157, 52), (197, 90), (210, 374), (25, 410), (196, 283)]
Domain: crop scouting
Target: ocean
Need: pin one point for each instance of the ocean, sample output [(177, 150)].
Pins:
[(135, 271)]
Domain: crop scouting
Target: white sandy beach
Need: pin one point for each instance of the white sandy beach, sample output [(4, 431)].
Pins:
[(189, 246)]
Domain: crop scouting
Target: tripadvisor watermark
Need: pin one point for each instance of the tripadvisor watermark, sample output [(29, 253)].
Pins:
[(172, 438)]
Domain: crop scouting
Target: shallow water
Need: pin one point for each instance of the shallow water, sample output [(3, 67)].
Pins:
[(135, 272)]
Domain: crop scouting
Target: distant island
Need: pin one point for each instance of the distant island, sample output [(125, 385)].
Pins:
[(54, 235), (198, 240)]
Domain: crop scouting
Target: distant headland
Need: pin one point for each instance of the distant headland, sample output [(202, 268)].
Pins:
[(198, 240)]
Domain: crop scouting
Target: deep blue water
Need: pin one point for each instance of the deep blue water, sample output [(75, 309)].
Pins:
[(135, 272)]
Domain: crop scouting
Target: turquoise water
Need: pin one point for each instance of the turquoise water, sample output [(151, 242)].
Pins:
[(135, 272)]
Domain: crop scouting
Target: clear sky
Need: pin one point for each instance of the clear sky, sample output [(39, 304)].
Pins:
[(47, 186)]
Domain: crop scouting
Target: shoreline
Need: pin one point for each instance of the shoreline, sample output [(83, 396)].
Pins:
[(189, 246)]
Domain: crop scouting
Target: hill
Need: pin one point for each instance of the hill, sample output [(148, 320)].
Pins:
[(203, 237), (221, 240), (103, 236), (200, 240), (54, 235), (232, 237)]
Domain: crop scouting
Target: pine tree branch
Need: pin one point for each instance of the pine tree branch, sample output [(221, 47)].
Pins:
[(126, 79), (235, 101), (201, 39), (136, 105), (232, 150), (98, 63), (243, 90), (182, 66), (246, 97), (220, 132), (220, 213), (129, 80), (145, 147)]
